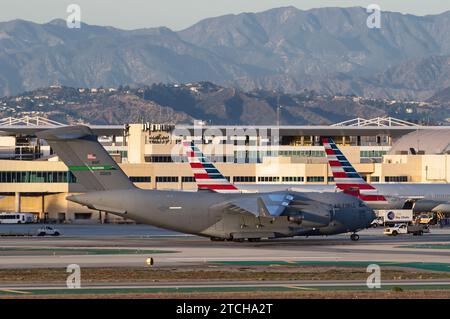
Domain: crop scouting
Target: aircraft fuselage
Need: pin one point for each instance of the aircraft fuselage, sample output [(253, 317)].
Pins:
[(212, 214)]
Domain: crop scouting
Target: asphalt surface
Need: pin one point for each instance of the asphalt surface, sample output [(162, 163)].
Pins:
[(182, 250), (89, 230), (131, 245)]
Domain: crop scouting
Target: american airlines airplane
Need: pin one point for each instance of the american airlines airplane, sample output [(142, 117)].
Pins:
[(217, 210), (421, 197)]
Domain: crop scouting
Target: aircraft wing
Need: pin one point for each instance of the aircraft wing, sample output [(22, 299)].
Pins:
[(234, 209), (272, 205)]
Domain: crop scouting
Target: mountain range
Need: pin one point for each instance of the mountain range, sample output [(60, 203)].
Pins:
[(328, 50), (213, 104)]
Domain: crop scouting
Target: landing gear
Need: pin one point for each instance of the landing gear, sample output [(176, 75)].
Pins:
[(254, 240), (217, 239), (354, 237)]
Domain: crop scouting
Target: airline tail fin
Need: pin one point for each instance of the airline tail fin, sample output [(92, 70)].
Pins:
[(79, 149), (345, 176), (206, 175)]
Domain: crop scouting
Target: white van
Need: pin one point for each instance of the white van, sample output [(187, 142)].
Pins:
[(16, 218)]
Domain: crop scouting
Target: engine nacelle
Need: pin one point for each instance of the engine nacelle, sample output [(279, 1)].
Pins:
[(310, 219)]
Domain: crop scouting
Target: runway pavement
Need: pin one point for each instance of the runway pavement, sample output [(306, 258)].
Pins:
[(110, 246), (90, 230), (32, 252)]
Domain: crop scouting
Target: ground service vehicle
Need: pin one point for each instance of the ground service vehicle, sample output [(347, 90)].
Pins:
[(48, 231), (16, 218), (398, 229), (379, 221)]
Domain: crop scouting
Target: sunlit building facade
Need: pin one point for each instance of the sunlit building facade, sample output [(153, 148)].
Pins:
[(32, 179)]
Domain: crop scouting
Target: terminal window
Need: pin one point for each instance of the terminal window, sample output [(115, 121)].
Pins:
[(167, 179), (268, 179), (123, 154), (37, 177), (302, 153), (293, 178), (140, 179), (83, 216), (244, 179), (315, 179), (158, 159), (257, 156), (396, 179), (372, 153)]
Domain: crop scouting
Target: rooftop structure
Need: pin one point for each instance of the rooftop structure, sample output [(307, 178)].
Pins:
[(425, 141)]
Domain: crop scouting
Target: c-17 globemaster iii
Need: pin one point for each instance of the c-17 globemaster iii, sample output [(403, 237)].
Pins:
[(218, 215)]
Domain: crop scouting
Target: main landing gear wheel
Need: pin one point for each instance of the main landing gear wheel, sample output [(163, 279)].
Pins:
[(354, 237)]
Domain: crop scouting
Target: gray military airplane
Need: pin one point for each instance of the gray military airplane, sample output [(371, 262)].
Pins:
[(227, 215)]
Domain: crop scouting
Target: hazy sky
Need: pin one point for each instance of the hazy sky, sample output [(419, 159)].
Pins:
[(179, 14)]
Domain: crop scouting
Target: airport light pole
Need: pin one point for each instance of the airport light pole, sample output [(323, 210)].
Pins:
[(279, 107)]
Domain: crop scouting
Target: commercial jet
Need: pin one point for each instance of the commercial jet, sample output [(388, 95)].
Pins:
[(220, 215), (421, 197)]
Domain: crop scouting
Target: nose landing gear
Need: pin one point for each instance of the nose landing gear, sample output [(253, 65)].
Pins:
[(354, 237)]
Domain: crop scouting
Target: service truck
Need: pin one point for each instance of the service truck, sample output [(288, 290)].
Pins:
[(399, 229)]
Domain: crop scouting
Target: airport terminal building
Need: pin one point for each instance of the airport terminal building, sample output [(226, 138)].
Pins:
[(383, 150)]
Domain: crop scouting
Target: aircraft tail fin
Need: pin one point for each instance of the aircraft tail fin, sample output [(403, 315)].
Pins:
[(206, 175), (345, 176), (85, 157)]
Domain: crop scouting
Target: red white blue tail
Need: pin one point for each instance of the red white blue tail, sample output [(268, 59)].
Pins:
[(206, 175), (346, 177)]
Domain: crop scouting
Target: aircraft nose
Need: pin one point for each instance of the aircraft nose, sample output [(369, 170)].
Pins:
[(370, 214)]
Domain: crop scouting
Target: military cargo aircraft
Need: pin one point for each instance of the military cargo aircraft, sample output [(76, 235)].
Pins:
[(218, 215)]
